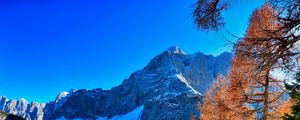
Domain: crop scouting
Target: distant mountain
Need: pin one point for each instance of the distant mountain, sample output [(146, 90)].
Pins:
[(168, 88)]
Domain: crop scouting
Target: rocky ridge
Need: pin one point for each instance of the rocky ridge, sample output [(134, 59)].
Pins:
[(168, 87)]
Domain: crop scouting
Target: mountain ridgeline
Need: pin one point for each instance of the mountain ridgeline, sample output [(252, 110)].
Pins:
[(169, 87)]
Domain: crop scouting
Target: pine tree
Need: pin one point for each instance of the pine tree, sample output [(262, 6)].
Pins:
[(295, 95)]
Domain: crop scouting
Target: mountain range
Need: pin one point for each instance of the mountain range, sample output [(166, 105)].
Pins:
[(169, 87)]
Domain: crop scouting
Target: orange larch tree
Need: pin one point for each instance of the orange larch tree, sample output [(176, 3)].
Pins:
[(260, 90)]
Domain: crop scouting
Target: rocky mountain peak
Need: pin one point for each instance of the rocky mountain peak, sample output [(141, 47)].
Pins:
[(22, 100), (169, 87), (62, 97), (175, 50), (64, 94)]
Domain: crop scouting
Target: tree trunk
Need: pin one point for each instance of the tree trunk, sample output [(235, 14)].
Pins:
[(266, 98)]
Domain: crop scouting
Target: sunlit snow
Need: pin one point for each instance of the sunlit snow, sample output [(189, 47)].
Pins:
[(136, 114)]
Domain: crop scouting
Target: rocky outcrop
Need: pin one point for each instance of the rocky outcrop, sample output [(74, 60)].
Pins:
[(169, 87), (31, 111)]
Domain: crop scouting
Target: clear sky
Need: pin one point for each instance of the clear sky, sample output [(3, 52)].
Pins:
[(51, 46)]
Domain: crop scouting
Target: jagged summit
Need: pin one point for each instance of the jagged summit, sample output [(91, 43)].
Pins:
[(168, 87), (22, 99), (66, 93), (175, 50), (5, 99)]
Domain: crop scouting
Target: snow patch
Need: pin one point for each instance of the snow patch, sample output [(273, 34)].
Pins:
[(64, 94), (136, 114), (181, 78), (22, 99)]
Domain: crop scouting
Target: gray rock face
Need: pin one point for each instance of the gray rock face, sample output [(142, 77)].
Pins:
[(198, 69), (32, 111), (169, 87)]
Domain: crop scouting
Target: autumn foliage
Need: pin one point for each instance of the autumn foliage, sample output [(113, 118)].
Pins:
[(251, 92)]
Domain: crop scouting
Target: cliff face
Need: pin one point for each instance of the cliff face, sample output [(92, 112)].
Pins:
[(32, 111), (169, 87)]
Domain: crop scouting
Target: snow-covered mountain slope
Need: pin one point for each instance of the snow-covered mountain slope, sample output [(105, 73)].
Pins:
[(169, 87)]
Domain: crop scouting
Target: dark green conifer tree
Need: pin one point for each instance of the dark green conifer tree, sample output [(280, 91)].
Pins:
[(294, 90)]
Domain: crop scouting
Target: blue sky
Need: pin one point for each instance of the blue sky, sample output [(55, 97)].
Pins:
[(51, 46)]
